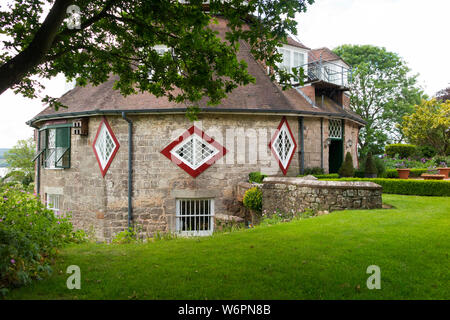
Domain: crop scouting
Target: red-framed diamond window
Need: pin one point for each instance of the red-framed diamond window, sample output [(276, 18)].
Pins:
[(194, 151), (283, 145), (105, 146)]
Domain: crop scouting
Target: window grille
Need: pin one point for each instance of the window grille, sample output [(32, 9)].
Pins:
[(104, 146), (53, 202), (283, 145), (335, 129), (194, 151), (195, 217)]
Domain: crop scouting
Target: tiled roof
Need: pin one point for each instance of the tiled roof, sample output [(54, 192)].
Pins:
[(325, 53)]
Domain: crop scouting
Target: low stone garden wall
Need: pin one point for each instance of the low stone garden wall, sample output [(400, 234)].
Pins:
[(287, 194)]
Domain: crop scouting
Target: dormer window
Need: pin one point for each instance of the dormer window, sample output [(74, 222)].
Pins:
[(292, 58)]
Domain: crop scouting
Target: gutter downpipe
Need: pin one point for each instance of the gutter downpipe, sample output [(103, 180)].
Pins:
[(130, 168), (38, 165), (301, 151)]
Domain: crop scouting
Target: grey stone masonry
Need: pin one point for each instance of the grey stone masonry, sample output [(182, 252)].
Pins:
[(286, 194)]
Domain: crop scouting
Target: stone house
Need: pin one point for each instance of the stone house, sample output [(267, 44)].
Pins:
[(111, 160)]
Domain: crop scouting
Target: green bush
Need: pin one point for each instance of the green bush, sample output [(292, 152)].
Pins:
[(256, 177), (313, 171), (253, 199), (347, 170), (409, 187), (369, 166), (30, 235), (126, 236), (426, 151), (359, 173), (403, 150)]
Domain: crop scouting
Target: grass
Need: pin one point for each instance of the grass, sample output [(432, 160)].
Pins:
[(324, 257)]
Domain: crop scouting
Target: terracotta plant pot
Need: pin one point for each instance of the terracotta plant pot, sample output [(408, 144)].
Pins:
[(403, 173), (444, 171), (432, 176)]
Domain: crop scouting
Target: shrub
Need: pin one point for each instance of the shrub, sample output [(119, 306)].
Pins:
[(126, 236), (369, 166), (30, 235), (410, 187), (403, 150), (426, 151), (347, 170), (256, 177), (253, 199), (313, 171)]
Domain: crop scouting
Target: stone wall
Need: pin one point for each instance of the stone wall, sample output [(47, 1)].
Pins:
[(287, 194)]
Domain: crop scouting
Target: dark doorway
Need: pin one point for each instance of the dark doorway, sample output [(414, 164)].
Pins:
[(335, 155)]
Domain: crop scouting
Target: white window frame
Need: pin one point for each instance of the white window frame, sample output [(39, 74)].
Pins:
[(289, 57), (104, 132), (197, 138), (285, 161), (53, 202), (186, 220)]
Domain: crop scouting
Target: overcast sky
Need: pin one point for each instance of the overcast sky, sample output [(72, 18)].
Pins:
[(415, 29)]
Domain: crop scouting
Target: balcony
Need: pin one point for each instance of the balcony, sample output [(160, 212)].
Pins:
[(325, 74)]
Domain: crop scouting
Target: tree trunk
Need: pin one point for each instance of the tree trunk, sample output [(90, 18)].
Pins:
[(13, 71)]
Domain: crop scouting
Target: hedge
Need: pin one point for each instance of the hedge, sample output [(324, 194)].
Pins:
[(403, 150), (408, 187)]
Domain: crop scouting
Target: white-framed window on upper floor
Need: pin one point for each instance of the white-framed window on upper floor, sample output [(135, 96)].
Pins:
[(195, 217), (291, 59)]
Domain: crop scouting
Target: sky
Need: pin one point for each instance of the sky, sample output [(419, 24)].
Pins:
[(415, 29)]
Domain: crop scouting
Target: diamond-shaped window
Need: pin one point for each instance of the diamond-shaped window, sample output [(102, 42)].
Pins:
[(105, 146), (283, 145), (194, 151)]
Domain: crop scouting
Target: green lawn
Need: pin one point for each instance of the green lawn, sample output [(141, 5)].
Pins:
[(320, 258)]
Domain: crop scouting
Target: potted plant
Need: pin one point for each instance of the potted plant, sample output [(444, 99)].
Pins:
[(443, 169), (403, 172), (370, 169)]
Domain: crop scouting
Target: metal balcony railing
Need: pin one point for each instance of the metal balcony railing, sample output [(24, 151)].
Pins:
[(329, 72)]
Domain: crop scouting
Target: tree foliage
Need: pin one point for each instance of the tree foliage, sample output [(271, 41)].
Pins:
[(347, 169), (443, 95), (19, 159), (118, 38), (382, 92), (429, 125)]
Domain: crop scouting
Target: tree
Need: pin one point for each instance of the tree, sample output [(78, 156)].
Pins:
[(429, 125), (370, 168), (443, 95), (382, 92), (118, 37), (347, 170), (20, 161)]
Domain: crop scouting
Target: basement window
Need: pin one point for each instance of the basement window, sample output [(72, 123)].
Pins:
[(54, 148), (53, 202), (195, 217)]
